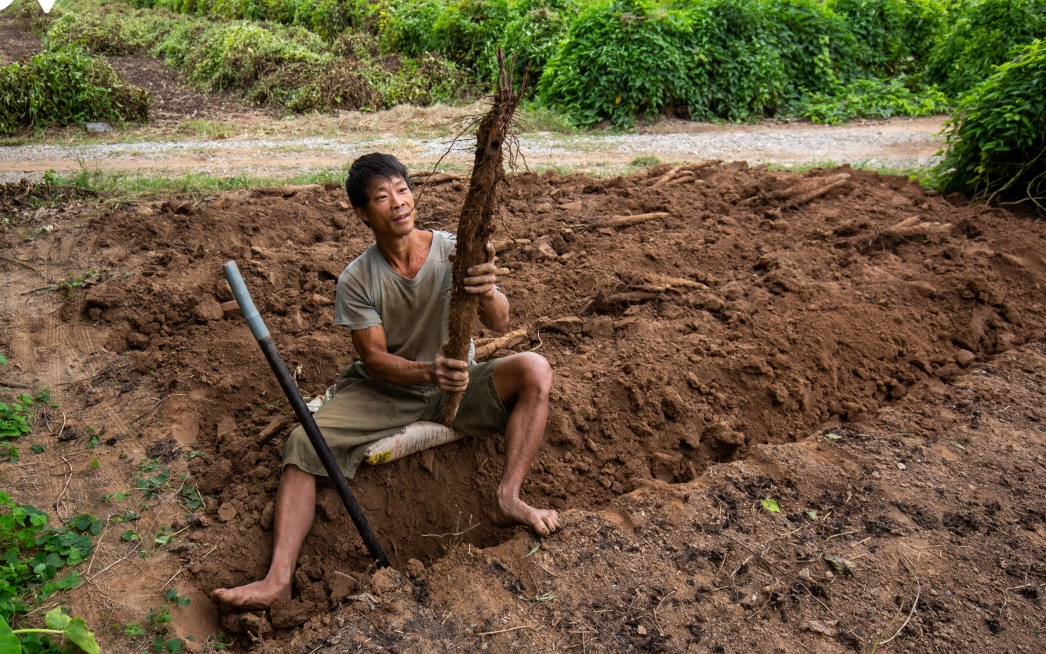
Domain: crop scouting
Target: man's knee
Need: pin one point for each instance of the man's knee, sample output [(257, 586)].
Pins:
[(537, 373)]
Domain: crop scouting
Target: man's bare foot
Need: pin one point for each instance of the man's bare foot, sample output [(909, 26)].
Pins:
[(514, 511), (257, 596)]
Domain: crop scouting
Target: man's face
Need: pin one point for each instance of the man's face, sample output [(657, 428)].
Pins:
[(390, 207)]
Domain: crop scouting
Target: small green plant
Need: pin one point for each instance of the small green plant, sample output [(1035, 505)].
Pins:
[(645, 161), (171, 645), (133, 629), (157, 618), (72, 282), (59, 624), (35, 554), (153, 483), (163, 536), (192, 498), (173, 596)]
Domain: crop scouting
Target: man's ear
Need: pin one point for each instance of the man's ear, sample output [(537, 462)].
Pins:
[(362, 215)]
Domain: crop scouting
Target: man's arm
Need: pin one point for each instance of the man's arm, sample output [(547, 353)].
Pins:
[(493, 305), (370, 343)]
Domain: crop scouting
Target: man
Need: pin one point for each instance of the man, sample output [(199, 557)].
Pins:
[(395, 298)]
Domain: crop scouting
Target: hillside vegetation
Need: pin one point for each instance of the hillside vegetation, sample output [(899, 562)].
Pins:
[(594, 60)]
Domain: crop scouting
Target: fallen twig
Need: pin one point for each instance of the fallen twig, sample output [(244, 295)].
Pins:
[(57, 511), (13, 384), (915, 604), (619, 222), (502, 631), (452, 533)]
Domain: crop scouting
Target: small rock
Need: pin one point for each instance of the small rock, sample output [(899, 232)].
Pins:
[(226, 512), (98, 128), (415, 569), (268, 513), (207, 309), (965, 358), (722, 433), (217, 476), (385, 580), (230, 307), (342, 585), (257, 626), (287, 614), (840, 565), (321, 300), (601, 327)]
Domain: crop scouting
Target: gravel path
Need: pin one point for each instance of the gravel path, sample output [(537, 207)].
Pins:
[(898, 143)]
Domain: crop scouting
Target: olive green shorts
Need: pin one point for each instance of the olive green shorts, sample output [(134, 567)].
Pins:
[(364, 410)]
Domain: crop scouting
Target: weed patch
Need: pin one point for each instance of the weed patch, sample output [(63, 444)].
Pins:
[(66, 86)]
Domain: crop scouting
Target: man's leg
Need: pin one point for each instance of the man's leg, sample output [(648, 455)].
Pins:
[(295, 510), (526, 379)]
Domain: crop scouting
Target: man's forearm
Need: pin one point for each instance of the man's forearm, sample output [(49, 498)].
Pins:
[(397, 370), (493, 311)]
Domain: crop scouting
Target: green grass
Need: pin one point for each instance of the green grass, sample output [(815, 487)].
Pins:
[(922, 174)]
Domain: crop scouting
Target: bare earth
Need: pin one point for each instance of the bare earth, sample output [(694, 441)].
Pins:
[(869, 359)]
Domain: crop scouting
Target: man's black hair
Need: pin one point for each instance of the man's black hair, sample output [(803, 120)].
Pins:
[(368, 168)]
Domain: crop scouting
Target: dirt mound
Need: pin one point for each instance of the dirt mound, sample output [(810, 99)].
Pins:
[(753, 307)]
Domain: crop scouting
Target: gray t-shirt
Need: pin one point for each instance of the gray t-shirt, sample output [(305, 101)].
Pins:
[(413, 312)]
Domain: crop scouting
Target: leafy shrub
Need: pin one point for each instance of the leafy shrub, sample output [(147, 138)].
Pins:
[(894, 36), (66, 86), (872, 98), (406, 26), (984, 34), (235, 55), (96, 33), (620, 58), (996, 142), (709, 59), (536, 31), (289, 67)]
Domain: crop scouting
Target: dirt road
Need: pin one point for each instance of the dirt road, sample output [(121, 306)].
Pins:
[(897, 143)]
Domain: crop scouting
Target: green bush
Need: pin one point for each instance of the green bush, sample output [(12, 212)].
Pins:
[(996, 142), (872, 98), (709, 59), (98, 34), (536, 31), (66, 86), (271, 64), (469, 32), (620, 58), (984, 34), (894, 36)]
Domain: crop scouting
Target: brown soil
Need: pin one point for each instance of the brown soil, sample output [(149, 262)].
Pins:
[(171, 98), (694, 358), (15, 43)]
